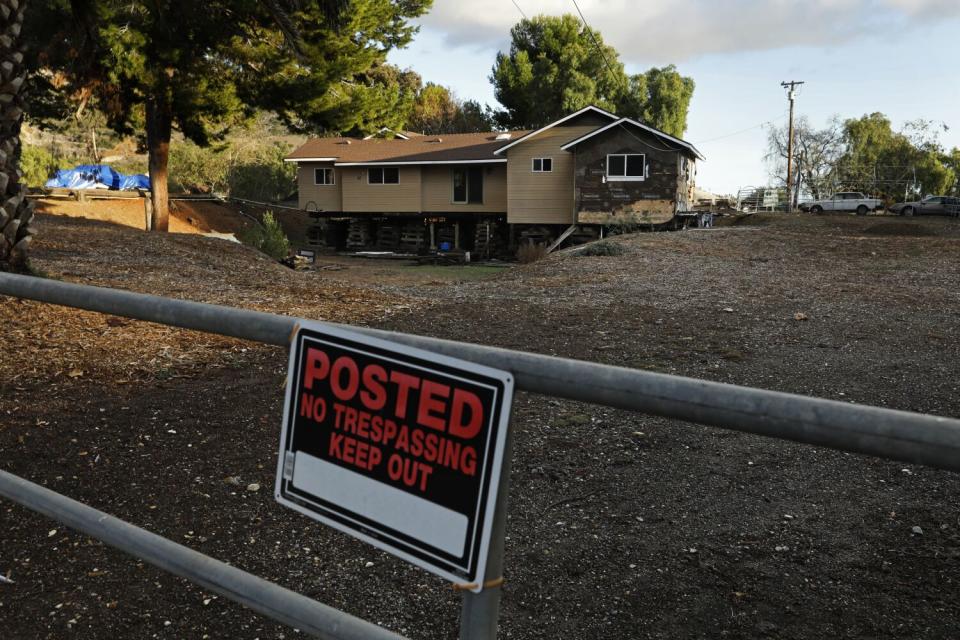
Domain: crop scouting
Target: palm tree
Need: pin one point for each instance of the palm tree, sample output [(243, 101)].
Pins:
[(16, 212)]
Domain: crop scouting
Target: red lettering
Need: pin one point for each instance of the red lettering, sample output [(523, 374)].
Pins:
[(395, 467), (375, 395), (350, 419), (306, 406), (432, 396), (458, 427), (404, 384), (336, 440), (318, 366), (349, 449), (389, 430), (363, 424), (468, 461), (340, 409), (408, 471), (425, 471), (375, 457), (344, 363)]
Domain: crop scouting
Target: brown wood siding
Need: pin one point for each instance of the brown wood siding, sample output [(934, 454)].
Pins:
[(314, 197), (652, 200), (437, 190), (360, 197), (544, 198)]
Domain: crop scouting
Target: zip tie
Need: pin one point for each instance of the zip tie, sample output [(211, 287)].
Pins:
[(293, 333), (489, 584)]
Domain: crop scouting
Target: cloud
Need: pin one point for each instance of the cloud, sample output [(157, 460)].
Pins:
[(661, 31)]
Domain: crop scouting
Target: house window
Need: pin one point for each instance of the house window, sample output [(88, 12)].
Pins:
[(626, 166), (383, 175), (468, 185), (542, 165), (323, 176)]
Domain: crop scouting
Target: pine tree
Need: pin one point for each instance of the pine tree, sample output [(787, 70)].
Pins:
[(16, 212), (152, 66)]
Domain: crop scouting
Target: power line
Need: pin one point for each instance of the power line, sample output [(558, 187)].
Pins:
[(595, 42), (519, 9), (626, 86), (736, 133)]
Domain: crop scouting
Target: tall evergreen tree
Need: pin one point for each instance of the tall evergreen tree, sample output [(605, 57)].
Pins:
[(556, 65), (203, 68), (16, 212)]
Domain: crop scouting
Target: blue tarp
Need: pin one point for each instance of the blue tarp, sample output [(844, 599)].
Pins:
[(97, 176)]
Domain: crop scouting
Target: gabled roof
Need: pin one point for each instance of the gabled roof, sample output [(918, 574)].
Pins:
[(627, 121), (526, 137), (441, 149)]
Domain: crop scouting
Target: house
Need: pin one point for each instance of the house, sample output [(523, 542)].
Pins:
[(588, 169)]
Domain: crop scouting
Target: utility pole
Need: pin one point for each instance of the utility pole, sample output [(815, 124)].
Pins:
[(791, 95)]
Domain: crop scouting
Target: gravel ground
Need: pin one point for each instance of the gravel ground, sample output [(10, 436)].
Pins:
[(621, 525)]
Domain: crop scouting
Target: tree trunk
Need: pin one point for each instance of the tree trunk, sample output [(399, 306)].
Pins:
[(16, 212), (159, 124)]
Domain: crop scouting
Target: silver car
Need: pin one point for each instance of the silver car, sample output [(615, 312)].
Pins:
[(929, 206)]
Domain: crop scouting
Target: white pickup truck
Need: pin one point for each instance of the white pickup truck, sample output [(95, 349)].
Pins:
[(843, 201)]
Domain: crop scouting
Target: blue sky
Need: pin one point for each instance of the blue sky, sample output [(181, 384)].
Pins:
[(899, 57)]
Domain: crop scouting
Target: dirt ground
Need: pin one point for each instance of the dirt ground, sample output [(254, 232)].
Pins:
[(621, 525), (186, 216)]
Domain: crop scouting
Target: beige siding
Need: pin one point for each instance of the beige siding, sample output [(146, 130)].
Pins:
[(315, 197), (543, 198), (438, 190), (360, 197)]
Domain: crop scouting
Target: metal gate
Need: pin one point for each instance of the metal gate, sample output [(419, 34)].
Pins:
[(886, 433)]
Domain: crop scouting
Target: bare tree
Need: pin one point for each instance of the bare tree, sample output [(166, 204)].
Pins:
[(816, 153)]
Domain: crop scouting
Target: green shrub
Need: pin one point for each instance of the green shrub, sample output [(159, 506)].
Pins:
[(602, 248), (268, 237), (38, 165), (259, 173), (196, 169)]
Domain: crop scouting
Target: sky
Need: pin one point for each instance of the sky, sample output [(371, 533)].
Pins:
[(899, 57)]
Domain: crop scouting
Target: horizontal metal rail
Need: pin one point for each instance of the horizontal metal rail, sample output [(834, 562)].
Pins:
[(886, 433), (270, 599)]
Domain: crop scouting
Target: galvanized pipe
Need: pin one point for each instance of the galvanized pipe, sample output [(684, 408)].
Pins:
[(897, 435), (480, 613), (260, 595)]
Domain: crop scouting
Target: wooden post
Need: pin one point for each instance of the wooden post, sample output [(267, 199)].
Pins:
[(433, 244), (456, 235), (147, 212)]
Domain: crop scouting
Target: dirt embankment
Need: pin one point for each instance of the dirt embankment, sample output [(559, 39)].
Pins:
[(186, 216), (621, 525)]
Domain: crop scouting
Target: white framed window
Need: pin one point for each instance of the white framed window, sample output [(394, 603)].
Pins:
[(383, 175), (542, 165), (626, 166), (323, 176)]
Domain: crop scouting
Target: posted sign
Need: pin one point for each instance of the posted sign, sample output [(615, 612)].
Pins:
[(396, 446)]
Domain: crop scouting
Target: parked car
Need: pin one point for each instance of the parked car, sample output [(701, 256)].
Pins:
[(929, 206), (843, 201)]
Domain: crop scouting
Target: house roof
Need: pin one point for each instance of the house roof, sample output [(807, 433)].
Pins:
[(405, 135), (531, 134), (627, 121), (444, 149)]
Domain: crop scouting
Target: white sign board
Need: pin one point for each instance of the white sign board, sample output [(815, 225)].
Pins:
[(394, 445)]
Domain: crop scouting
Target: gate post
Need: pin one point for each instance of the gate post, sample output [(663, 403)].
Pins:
[(481, 611)]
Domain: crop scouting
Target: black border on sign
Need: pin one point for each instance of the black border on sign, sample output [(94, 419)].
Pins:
[(471, 564)]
